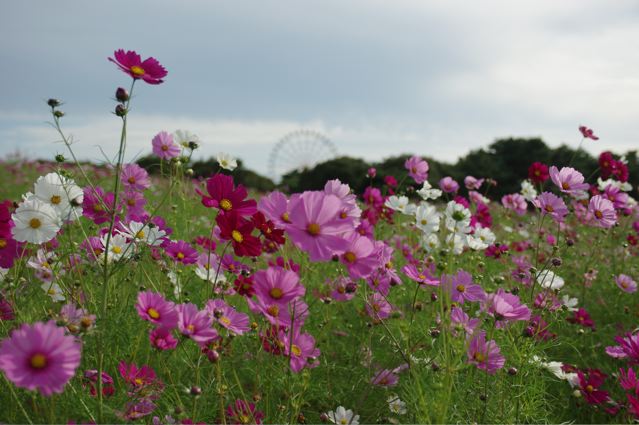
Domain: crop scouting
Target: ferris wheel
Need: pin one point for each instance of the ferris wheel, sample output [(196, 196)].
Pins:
[(298, 150)]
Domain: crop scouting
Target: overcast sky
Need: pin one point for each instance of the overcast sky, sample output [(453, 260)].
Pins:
[(379, 78)]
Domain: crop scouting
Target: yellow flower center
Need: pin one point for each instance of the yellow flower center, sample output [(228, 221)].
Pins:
[(225, 320), (350, 257), (116, 250), (38, 361), (191, 328), (139, 381), (460, 288), (35, 223), (480, 357), (424, 222), (140, 234), (549, 208), (313, 229), (51, 291), (153, 313), (589, 388), (97, 208), (273, 310), (286, 218), (180, 256), (131, 180), (276, 293), (237, 236), (598, 214), (226, 205), (565, 186), (130, 202), (3, 243), (296, 350), (165, 148), (343, 421), (55, 199), (137, 71), (343, 215)]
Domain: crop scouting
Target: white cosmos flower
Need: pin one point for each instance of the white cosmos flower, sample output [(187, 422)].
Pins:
[(342, 416), (528, 190), (549, 280), (35, 222), (140, 232), (427, 218), (430, 242), (184, 137), (61, 193), (118, 247), (427, 192), (397, 203), (395, 405), (53, 290), (481, 239), (457, 244), (41, 263), (569, 303), (457, 218), (603, 184), (226, 161)]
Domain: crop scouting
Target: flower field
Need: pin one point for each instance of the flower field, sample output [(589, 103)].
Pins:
[(159, 298)]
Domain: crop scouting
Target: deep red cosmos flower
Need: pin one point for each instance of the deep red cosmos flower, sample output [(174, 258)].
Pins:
[(538, 172), (223, 194), (238, 230), (148, 70)]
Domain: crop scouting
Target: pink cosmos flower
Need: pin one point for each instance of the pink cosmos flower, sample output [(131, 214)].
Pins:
[(134, 202), (182, 252), (551, 204), (505, 307), (137, 409), (316, 226), (242, 412), (472, 183), (417, 169), (163, 339), (195, 324), (379, 281), (377, 307), (461, 320), (385, 378), (274, 207), (228, 317), (134, 177), (589, 386), (485, 355), (515, 202), (420, 276), (361, 256), (164, 147), (626, 284), (148, 70), (568, 180), (448, 185), (343, 289), (277, 285), (40, 356), (462, 288), (628, 348), (602, 211), (294, 313), (300, 349), (97, 205), (587, 133), (91, 380), (153, 307)]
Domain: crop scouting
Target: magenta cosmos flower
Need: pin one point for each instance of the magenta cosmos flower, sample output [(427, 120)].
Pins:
[(419, 275), (461, 320), (448, 185), (551, 204), (485, 355), (568, 180), (274, 207), (228, 317), (148, 70), (587, 133), (300, 349), (417, 169), (277, 285), (153, 307), (195, 324), (40, 356), (626, 284), (182, 252), (134, 177), (462, 288), (472, 183), (603, 211), (361, 257), (164, 147), (316, 226), (628, 348), (377, 306)]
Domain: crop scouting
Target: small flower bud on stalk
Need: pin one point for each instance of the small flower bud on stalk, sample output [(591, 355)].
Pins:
[(121, 94), (120, 110), (54, 103)]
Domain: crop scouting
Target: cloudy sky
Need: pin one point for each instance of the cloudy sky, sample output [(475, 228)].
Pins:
[(379, 78)]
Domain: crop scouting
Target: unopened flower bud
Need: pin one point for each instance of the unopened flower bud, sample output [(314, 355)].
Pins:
[(512, 371), (556, 261), (213, 356), (54, 103), (120, 110), (121, 94), (433, 296), (372, 172), (60, 158), (195, 390), (58, 114)]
